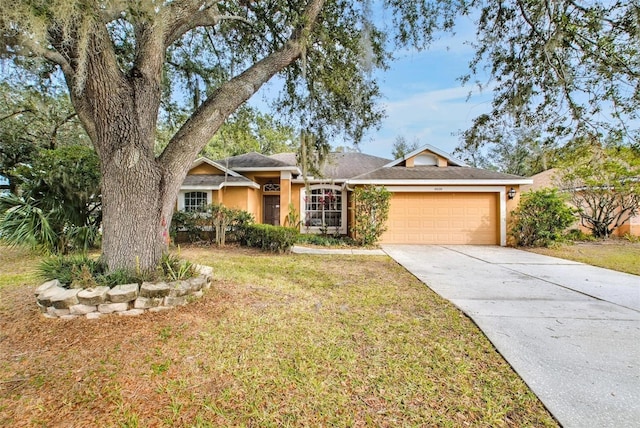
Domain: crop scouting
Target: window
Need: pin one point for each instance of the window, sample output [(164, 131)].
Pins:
[(195, 201), (324, 208)]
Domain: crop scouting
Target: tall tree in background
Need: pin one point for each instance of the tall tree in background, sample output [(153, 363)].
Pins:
[(30, 120), (402, 147), (570, 68), (123, 61), (512, 150), (248, 130)]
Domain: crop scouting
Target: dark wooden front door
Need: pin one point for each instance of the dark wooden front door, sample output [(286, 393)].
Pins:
[(271, 210)]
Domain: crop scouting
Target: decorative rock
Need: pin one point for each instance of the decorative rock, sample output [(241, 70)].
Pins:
[(55, 301), (197, 283), (179, 288), (82, 309), (203, 270), (147, 302), (108, 308), (149, 289), (93, 296), (44, 298), (64, 299), (57, 312), (175, 301), (68, 317), (132, 312), (123, 293), (47, 285)]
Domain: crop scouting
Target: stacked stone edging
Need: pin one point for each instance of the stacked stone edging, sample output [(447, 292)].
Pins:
[(55, 301)]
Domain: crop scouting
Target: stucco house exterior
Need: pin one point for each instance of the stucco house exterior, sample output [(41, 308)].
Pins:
[(436, 199), (549, 178)]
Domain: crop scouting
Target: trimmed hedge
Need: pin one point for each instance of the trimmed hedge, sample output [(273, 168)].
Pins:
[(267, 237)]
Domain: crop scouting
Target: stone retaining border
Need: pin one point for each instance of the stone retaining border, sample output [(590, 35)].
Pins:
[(55, 301)]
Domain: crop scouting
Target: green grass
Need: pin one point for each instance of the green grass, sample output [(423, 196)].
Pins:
[(18, 266), (278, 341), (617, 254)]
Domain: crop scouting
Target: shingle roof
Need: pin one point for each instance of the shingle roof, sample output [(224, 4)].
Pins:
[(435, 173), (253, 160), (341, 165), (213, 180)]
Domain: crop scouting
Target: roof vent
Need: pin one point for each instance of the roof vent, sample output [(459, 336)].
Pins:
[(425, 160)]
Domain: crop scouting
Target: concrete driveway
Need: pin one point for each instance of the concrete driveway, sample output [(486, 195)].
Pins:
[(570, 330)]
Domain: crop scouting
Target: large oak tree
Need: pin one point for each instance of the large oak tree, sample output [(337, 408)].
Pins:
[(126, 62)]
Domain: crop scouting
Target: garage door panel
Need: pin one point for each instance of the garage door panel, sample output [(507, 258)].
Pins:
[(443, 218)]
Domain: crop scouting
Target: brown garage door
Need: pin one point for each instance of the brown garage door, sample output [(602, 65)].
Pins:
[(443, 218)]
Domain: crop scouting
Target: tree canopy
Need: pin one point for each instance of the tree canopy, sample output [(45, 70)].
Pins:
[(568, 68)]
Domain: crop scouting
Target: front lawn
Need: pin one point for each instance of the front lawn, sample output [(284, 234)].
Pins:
[(617, 254), (279, 340)]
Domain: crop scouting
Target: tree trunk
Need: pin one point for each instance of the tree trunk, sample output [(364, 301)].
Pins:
[(136, 212)]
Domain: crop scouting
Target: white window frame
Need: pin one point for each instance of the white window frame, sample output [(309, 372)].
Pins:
[(184, 195), (338, 192)]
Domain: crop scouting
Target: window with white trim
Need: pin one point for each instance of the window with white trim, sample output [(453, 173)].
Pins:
[(324, 208), (195, 201)]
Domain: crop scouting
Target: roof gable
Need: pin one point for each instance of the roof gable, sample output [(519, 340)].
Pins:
[(206, 166), (419, 157)]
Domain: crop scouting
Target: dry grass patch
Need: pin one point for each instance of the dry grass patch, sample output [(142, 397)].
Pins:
[(288, 340), (616, 254)]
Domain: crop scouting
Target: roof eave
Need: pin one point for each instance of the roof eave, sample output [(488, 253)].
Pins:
[(294, 169), (219, 186), (445, 182)]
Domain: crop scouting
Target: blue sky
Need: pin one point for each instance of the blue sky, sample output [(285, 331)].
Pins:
[(422, 96), (424, 100)]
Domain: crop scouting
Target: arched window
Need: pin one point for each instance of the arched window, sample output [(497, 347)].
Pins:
[(195, 201), (324, 209)]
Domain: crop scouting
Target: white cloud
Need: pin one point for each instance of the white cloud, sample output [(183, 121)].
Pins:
[(431, 117)]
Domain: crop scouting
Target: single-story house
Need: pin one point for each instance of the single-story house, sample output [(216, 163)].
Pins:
[(436, 199), (549, 180)]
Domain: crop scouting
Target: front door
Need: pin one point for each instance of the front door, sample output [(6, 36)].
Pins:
[(271, 210)]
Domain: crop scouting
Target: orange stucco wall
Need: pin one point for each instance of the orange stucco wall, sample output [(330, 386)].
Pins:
[(235, 197), (205, 168)]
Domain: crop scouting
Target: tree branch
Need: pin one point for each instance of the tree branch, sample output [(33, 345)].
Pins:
[(187, 15), (206, 120)]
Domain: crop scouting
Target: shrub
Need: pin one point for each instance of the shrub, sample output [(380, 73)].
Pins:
[(267, 237), (578, 235), (186, 222), (80, 271), (227, 224), (223, 224), (326, 241), (75, 271), (371, 214), (541, 218), (174, 268)]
